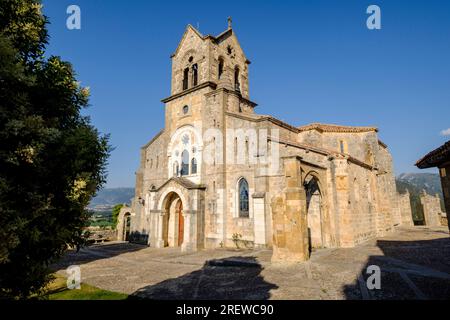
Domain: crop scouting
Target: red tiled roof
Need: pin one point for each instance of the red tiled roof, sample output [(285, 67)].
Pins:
[(322, 127)]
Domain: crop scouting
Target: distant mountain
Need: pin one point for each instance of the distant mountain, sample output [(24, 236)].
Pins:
[(415, 183), (430, 182), (109, 197)]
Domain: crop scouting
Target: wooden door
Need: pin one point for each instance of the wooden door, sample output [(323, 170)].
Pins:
[(180, 226)]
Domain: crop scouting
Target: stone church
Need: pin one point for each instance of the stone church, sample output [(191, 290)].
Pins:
[(221, 175)]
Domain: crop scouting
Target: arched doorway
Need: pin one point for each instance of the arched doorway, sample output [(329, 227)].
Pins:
[(126, 226), (314, 212), (173, 221)]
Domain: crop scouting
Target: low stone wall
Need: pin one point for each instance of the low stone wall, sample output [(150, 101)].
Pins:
[(97, 235)]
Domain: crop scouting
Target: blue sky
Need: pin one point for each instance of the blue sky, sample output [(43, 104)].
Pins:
[(312, 61)]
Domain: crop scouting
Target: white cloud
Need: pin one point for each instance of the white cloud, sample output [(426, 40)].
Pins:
[(445, 132)]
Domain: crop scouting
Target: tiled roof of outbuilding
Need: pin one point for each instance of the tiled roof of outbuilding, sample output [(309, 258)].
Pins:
[(435, 157)]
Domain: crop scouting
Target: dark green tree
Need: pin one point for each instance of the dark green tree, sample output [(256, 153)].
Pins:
[(52, 160)]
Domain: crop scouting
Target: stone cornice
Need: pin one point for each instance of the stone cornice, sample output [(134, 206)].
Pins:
[(239, 95), (259, 195), (301, 146), (324, 152), (206, 84), (260, 118), (360, 163), (381, 143)]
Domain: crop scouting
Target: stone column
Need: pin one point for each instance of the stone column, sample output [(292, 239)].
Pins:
[(152, 227), (290, 228), (345, 221), (190, 231), (119, 228), (160, 240), (259, 218)]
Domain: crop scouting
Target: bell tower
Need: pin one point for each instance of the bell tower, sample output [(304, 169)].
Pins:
[(203, 64), (219, 59)]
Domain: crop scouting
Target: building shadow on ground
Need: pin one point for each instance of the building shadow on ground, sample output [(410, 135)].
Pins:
[(95, 252), (236, 278), (417, 270)]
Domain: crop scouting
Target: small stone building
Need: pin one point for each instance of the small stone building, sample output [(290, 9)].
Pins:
[(220, 175), (440, 158)]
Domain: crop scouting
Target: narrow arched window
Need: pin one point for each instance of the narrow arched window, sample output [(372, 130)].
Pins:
[(220, 72), (185, 163), (176, 169), (237, 85), (214, 150), (185, 78), (247, 154), (342, 146), (193, 166), (194, 75), (243, 198)]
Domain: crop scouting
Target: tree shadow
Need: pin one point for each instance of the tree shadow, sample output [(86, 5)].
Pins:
[(138, 237), (416, 270), (237, 278), (95, 252)]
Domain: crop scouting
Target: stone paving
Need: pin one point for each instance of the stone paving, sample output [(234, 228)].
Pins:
[(414, 263)]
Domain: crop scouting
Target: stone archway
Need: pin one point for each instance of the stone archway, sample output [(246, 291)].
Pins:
[(190, 223), (124, 224), (173, 224), (126, 227), (314, 212)]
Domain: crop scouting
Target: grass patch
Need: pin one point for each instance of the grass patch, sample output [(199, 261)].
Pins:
[(57, 290)]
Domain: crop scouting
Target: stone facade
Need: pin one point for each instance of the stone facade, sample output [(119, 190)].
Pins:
[(218, 173)]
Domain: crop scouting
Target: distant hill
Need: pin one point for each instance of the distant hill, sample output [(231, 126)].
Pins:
[(109, 197), (415, 183)]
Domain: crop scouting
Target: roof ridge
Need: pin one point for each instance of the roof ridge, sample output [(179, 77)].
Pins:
[(327, 127), (430, 159)]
